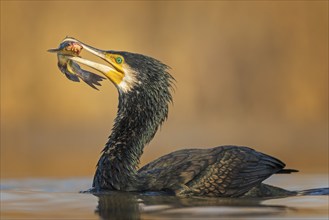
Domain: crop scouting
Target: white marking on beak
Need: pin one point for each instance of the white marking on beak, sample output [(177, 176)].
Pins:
[(97, 66)]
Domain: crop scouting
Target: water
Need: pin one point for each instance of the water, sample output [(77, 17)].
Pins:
[(59, 199)]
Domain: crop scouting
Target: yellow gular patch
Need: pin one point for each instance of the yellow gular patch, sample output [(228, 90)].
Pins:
[(121, 74), (117, 73), (115, 76)]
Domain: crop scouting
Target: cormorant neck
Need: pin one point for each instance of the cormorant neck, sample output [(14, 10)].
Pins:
[(140, 112)]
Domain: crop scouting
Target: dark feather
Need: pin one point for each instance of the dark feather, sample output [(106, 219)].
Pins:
[(227, 171)]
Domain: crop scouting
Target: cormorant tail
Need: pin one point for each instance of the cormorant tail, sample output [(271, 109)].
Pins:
[(287, 171)]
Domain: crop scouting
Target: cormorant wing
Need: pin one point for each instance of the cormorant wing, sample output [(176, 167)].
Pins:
[(227, 171)]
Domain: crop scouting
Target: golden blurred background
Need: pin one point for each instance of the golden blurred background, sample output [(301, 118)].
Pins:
[(248, 73)]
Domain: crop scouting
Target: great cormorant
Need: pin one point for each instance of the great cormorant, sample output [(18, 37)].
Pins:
[(144, 85)]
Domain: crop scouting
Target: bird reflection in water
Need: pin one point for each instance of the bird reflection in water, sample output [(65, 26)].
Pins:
[(131, 206)]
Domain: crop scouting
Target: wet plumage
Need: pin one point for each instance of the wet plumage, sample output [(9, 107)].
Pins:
[(228, 171)]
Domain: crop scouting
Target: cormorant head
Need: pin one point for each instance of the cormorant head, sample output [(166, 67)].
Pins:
[(128, 71)]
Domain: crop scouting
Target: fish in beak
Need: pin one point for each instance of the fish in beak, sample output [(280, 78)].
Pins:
[(66, 50)]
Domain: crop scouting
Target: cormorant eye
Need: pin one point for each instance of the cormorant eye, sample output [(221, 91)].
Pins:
[(118, 60)]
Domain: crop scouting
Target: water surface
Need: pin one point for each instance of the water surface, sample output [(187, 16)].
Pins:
[(60, 199)]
